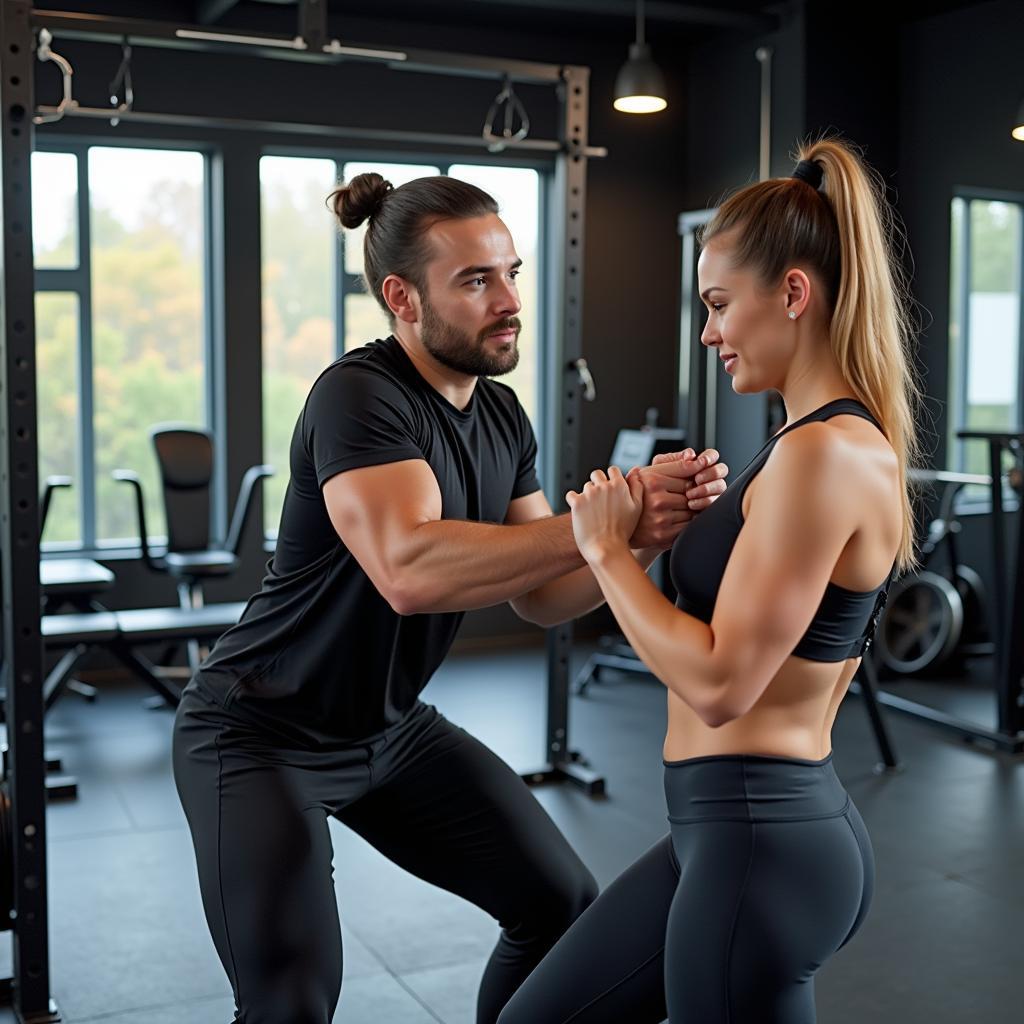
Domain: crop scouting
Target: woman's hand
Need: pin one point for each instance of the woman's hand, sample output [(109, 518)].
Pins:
[(605, 515), (677, 487)]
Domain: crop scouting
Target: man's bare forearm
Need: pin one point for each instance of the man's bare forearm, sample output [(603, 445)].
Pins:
[(450, 565), (572, 595)]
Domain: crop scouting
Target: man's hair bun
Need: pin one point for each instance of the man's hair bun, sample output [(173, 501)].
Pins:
[(360, 199)]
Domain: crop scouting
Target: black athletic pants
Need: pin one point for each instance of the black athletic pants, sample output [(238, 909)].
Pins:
[(426, 794), (767, 872)]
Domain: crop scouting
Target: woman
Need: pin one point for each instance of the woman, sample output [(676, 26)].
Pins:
[(768, 869)]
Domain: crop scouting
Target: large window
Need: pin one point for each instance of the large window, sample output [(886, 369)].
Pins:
[(315, 305), (119, 240), (987, 270), (122, 309)]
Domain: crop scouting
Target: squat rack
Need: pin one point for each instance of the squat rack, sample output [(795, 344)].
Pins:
[(565, 377)]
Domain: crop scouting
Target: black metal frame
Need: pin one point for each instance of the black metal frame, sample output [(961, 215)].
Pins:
[(696, 385), (566, 210), (19, 528)]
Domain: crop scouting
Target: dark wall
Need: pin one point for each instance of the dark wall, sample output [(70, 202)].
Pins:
[(961, 81), (723, 123)]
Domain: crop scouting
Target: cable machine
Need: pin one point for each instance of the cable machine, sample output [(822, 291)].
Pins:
[(27, 35)]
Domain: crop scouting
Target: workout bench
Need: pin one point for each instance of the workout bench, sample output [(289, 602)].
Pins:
[(121, 632)]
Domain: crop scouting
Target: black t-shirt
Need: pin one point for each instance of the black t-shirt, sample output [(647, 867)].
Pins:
[(319, 656)]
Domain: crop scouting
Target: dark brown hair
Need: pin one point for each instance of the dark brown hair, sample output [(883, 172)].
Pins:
[(399, 218), (847, 234)]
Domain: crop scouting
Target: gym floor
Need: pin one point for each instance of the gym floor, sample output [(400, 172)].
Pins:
[(129, 942)]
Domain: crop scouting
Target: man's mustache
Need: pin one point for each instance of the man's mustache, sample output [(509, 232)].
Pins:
[(511, 323)]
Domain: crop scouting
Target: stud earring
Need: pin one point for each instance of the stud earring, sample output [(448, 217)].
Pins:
[(792, 314)]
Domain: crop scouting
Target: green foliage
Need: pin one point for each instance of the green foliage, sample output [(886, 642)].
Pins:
[(995, 247)]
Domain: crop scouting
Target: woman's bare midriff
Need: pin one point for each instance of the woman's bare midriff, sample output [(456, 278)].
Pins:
[(793, 718)]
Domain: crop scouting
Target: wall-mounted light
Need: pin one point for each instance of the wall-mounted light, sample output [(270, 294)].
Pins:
[(1018, 124), (640, 86)]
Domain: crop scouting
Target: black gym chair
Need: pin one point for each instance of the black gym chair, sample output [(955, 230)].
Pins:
[(185, 459)]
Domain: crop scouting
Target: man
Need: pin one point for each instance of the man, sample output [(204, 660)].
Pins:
[(413, 497)]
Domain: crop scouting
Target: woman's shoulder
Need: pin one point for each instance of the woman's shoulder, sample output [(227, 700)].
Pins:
[(839, 459), (842, 440), (843, 474)]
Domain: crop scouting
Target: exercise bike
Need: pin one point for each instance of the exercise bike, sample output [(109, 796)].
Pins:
[(941, 610)]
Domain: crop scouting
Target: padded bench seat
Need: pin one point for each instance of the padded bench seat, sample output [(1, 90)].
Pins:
[(60, 576), (140, 625), (79, 627), (155, 624), (120, 632)]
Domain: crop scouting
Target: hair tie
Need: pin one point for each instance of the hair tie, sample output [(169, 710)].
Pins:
[(809, 171)]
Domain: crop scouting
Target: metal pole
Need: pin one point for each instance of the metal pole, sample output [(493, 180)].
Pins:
[(19, 527), (565, 351), (963, 288), (696, 401), (764, 57), (1011, 712)]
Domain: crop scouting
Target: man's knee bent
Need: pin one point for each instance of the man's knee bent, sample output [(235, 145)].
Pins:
[(560, 905)]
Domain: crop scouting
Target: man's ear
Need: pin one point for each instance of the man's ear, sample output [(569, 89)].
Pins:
[(402, 298)]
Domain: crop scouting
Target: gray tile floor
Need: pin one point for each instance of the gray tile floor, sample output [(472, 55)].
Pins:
[(129, 943)]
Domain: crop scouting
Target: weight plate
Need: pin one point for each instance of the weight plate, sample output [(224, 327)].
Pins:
[(921, 624)]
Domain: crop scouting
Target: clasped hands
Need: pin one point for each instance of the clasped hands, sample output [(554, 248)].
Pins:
[(646, 508)]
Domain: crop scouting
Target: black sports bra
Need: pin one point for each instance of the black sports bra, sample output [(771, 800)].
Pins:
[(845, 620)]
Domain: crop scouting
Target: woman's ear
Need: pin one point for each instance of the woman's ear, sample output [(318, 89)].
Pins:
[(796, 293)]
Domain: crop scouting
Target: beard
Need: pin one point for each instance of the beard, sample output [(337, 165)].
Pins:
[(460, 351)]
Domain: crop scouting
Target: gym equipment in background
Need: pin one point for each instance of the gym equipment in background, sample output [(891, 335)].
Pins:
[(185, 457), (942, 609), (1007, 607)]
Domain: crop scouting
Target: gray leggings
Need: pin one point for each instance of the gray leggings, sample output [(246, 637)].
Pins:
[(767, 872)]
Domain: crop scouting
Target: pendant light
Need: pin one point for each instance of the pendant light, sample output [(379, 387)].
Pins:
[(1018, 124), (640, 86)]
